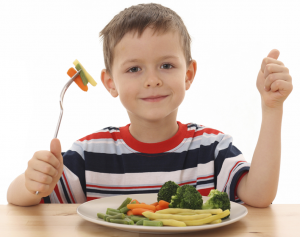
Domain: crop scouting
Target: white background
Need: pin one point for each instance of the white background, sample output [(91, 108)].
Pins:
[(41, 39)]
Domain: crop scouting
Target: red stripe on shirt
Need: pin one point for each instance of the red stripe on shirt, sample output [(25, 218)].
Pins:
[(187, 183), (205, 191), (124, 134), (116, 134), (207, 131), (206, 177), (143, 187), (231, 171), (58, 194), (137, 187), (68, 187), (102, 135)]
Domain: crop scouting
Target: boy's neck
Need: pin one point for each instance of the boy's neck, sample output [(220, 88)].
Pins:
[(153, 132)]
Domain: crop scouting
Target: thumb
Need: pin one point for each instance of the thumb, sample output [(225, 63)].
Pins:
[(274, 53), (55, 149)]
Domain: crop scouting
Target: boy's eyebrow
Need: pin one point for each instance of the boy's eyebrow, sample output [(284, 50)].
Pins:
[(136, 59)]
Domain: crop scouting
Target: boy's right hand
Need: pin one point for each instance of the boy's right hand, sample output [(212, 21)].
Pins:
[(44, 170)]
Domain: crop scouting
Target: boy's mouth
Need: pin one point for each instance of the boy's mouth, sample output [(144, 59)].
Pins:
[(155, 98)]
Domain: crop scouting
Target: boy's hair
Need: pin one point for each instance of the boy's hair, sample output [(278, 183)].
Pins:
[(138, 18)]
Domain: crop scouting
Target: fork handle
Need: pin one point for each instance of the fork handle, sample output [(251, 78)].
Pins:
[(61, 105)]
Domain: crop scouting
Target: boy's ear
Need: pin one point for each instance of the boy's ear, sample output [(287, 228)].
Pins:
[(109, 83), (190, 74)]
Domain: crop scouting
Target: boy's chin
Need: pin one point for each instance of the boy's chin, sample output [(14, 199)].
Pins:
[(155, 117)]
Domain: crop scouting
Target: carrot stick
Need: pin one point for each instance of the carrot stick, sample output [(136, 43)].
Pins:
[(139, 211), (129, 213), (145, 206), (71, 72), (163, 204), (154, 204)]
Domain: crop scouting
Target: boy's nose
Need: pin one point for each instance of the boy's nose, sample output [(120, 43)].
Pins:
[(153, 81)]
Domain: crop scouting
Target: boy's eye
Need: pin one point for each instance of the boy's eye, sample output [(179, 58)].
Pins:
[(168, 64), (133, 68)]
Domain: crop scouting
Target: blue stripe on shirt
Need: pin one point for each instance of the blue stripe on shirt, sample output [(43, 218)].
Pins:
[(141, 162)]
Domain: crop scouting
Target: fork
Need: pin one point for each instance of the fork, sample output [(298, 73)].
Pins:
[(61, 105)]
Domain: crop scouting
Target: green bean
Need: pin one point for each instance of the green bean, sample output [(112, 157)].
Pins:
[(124, 204), (122, 221), (100, 215), (119, 216), (124, 210), (152, 223), (112, 213), (140, 222), (130, 222), (105, 217), (134, 216), (111, 209), (137, 218)]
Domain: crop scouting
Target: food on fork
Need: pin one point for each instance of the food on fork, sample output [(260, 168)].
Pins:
[(71, 72), (77, 65), (83, 78)]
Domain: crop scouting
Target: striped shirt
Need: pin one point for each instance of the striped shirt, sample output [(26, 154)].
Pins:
[(112, 162)]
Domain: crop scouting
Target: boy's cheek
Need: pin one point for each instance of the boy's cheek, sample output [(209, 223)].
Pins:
[(128, 100)]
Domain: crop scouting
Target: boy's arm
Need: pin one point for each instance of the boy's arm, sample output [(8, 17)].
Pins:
[(258, 188), (18, 194)]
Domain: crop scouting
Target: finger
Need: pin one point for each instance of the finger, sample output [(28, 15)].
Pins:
[(274, 68), (55, 149), (44, 167), (283, 87), (268, 60), (274, 77), (39, 177), (34, 186), (49, 158)]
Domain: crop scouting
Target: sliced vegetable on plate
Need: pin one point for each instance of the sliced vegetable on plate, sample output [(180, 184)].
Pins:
[(185, 208)]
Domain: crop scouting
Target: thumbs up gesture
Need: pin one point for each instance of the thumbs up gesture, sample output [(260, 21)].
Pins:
[(44, 170), (274, 82)]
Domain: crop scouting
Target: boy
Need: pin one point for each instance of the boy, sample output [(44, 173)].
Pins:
[(154, 147)]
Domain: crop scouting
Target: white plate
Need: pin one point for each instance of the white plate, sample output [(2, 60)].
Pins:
[(89, 210)]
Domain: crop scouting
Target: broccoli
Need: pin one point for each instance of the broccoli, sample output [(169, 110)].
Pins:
[(188, 197), (217, 200), (167, 191)]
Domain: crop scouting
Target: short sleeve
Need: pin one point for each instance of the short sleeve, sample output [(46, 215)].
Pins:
[(230, 165), (71, 187)]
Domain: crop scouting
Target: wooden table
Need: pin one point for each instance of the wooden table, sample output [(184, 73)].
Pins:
[(62, 220)]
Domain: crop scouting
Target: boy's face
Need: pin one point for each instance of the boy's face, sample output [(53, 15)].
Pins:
[(151, 75)]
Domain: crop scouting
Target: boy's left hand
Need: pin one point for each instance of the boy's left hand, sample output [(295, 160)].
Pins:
[(275, 77)]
